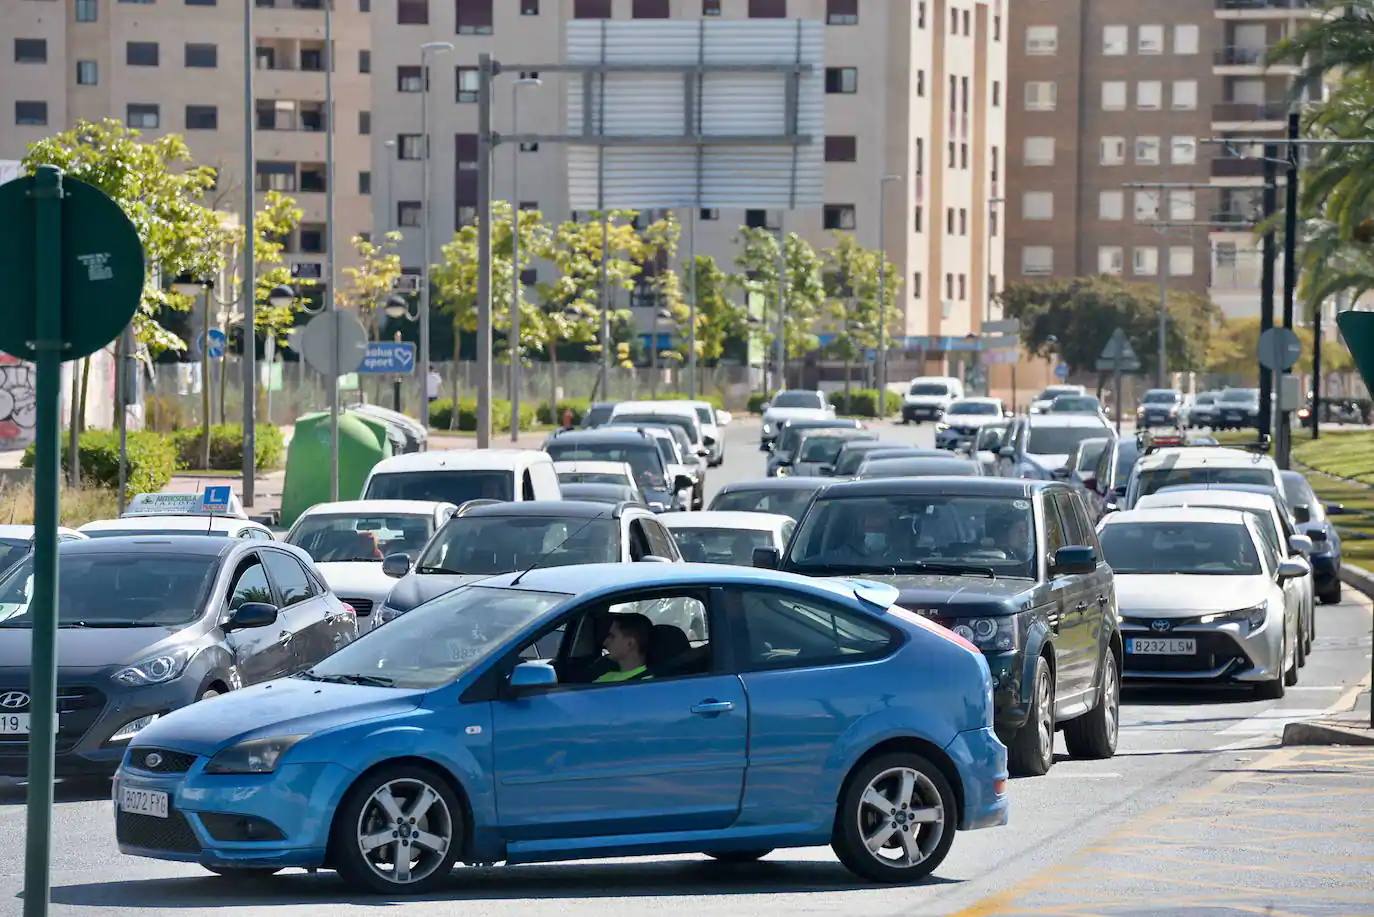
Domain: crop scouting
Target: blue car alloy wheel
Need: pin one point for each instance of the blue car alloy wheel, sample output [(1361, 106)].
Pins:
[(894, 823)]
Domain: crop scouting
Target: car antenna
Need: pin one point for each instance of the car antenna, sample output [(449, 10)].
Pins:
[(540, 558)]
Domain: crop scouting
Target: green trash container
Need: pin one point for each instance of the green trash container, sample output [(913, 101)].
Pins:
[(362, 444)]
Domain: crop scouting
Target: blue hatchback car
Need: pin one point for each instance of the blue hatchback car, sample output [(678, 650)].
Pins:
[(487, 725)]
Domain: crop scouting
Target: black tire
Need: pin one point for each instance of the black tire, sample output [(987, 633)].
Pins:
[(244, 872), (358, 816), (1094, 734), (855, 816), (1290, 674), (1274, 688), (1332, 596), (1031, 751), (738, 856), (1300, 657)]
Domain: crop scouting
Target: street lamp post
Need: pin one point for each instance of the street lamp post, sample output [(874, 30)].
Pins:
[(653, 349), (515, 282), (388, 199), (249, 291), (882, 289), (192, 287), (396, 308), (426, 49)]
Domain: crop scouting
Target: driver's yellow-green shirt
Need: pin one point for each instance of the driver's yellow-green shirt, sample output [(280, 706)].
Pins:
[(621, 676)]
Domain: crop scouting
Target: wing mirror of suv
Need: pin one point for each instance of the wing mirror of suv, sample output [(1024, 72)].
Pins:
[(396, 565), (1119, 491), (826, 471), (708, 440), (1007, 452), (1061, 473), (1300, 544), (1317, 535), (1335, 509), (683, 482), (532, 675), (1302, 514), (765, 406), (1073, 559), (1292, 569), (723, 418), (767, 558), (250, 614)]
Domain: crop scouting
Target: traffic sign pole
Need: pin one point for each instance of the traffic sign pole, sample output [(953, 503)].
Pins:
[(47, 194)]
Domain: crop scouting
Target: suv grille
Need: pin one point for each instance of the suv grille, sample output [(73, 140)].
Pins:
[(172, 833), (363, 607), (167, 762)]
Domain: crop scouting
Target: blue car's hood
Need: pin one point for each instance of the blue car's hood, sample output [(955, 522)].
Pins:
[(288, 706)]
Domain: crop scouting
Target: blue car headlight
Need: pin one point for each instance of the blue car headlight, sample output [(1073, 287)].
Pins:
[(156, 670), (253, 756)]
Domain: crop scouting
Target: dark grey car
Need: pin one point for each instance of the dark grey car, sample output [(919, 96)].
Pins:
[(150, 624)]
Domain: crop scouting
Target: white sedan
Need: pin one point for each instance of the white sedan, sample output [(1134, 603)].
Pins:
[(727, 537)]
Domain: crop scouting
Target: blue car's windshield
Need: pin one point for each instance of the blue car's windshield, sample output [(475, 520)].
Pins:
[(438, 641)]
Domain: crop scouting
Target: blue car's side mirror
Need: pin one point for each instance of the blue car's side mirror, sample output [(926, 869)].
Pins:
[(528, 675)]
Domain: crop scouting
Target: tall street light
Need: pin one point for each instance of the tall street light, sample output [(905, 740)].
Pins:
[(515, 283), (882, 288), (388, 200), (426, 49), (250, 286)]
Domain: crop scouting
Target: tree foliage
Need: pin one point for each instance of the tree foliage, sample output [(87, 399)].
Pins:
[(372, 280), (1234, 347), (720, 315), (854, 287), (804, 292), (277, 219)]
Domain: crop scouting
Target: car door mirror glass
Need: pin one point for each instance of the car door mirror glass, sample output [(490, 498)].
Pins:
[(1300, 544), (1292, 569), (251, 614), (767, 558), (683, 482), (1318, 536), (533, 675), (1302, 514), (1073, 559), (1006, 452), (1335, 509), (396, 565)]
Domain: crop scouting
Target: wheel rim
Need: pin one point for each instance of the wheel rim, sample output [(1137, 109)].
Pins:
[(209, 693), (901, 817), (404, 831), (1111, 699), (1044, 714)]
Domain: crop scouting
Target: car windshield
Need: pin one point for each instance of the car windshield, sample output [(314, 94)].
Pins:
[(1054, 391), (929, 388), (344, 538), (1239, 395), (912, 533), (973, 407), (687, 424), (850, 459), (785, 502), (705, 415), (1165, 397), (1156, 478), (438, 641), (798, 400), (1127, 451), (642, 457), (822, 448), (143, 589), (591, 477), (720, 546), (12, 550), (600, 493), (990, 438), (917, 467), (1074, 404), (597, 415), (1197, 548), (1205, 399), (439, 485), (1090, 452), (1059, 440), (503, 544)]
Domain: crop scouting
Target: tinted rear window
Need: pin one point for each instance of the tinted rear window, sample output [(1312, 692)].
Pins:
[(455, 487), (798, 400)]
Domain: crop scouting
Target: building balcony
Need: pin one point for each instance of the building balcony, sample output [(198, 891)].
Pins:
[(1249, 112), (1261, 9), (1237, 168)]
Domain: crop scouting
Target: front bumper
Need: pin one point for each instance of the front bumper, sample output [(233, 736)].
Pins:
[(981, 760), (1224, 653), (1009, 708), (954, 437), (1226, 420), (1157, 419), (922, 412), (298, 800)]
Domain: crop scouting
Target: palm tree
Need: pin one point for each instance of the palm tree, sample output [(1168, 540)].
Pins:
[(1342, 41)]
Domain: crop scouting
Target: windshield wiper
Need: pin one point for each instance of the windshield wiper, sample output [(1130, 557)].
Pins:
[(925, 566), (870, 569), (428, 569), (375, 681)]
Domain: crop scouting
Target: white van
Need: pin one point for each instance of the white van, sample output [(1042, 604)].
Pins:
[(459, 475), (927, 397)]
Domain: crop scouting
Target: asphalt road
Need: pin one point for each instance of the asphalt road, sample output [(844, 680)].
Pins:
[(1200, 810)]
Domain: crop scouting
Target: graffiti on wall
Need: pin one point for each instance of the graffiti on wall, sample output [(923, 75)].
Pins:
[(18, 402)]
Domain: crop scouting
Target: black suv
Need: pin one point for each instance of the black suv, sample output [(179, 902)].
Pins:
[(1014, 567)]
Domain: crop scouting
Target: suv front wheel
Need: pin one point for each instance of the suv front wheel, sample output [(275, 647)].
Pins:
[(1031, 751)]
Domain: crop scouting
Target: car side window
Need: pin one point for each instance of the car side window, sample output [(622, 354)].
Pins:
[(1085, 523), (1055, 537), (1074, 529), (526, 486), (250, 585), (661, 544), (776, 630), (292, 582), (639, 542)]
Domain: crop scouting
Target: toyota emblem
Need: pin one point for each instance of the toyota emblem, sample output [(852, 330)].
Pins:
[(1161, 626), (153, 760), (13, 700)]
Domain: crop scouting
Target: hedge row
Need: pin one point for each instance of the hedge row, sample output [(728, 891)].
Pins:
[(578, 406), (226, 446), (151, 459), (441, 414), (863, 402)]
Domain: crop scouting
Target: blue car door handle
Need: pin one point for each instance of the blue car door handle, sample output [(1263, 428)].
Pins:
[(713, 707)]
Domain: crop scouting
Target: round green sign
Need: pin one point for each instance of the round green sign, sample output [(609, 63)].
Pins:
[(100, 261)]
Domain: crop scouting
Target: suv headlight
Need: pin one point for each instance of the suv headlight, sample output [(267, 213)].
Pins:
[(767, 428), (254, 756), (156, 670), (941, 427), (1252, 618), (387, 613), (991, 635)]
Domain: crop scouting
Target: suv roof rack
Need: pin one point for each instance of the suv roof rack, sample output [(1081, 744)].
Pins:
[(1151, 442)]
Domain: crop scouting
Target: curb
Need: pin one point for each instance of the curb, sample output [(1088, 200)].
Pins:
[(1359, 578), (1318, 732)]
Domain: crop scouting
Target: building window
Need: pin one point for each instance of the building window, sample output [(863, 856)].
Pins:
[(1039, 151), (409, 78), (30, 51), (408, 146), (32, 113), (1183, 151), (1114, 95), (142, 115), (968, 29), (87, 11), (1041, 95), (1037, 260), (468, 80), (1184, 95), (87, 73), (313, 238), (1037, 205), (1182, 205), (200, 2), (364, 6), (841, 80), (763, 219), (918, 218), (364, 122), (591, 9), (952, 154), (1147, 151), (708, 213), (949, 286), (364, 61), (364, 182), (996, 28), (529, 146), (1145, 261), (963, 221), (275, 176), (408, 213), (202, 118), (1181, 261), (1116, 40), (313, 177), (1149, 95), (474, 17), (201, 55), (529, 7), (963, 155), (1146, 206), (412, 12), (649, 9), (141, 54), (1149, 39), (963, 287), (1112, 151), (949, 221), (710, 7), (1111, 259), (767, 9), (996, 93), (464, 215), (1185, 39), (842, 12), (837, 216), (1042, 39), (841, 148), (916, 279), (1111, 205)]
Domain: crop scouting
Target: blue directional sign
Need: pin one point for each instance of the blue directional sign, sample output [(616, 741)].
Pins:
[(216, 499), (216, 339), (389, 358), (1061, 371)]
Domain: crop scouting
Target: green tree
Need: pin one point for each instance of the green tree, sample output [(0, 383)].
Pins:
[(720, 315), (1237, 341), (374, 278), (859, 300), (273, 224), (1082, 312), (757, 260)]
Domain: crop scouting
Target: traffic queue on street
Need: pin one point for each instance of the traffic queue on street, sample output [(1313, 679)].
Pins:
[(534, 655)]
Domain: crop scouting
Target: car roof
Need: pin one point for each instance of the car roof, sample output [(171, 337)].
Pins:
[(1177, 514), (1202, 457), (822, 423), (460, 460), (398, 507), (599, 578), (961, 486), (577, 509), (621, 435), (918, 463), (675, 408), (842, 432), (784, 483), (590, 466), (868, 445), (26, 531), (1065, 420), (725, 519), (201, 545), (1208, 497), (192, 525)]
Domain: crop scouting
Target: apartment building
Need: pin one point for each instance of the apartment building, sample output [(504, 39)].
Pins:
[(1109, 95), (177, 66), (915, 89)]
